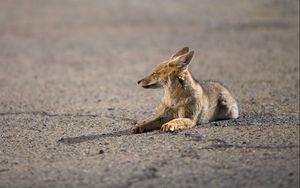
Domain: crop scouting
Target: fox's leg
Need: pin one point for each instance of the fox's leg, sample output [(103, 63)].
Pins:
[(153, 124), (179, 123)]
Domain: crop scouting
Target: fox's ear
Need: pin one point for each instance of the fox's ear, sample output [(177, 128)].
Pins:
[(184, 60), (181, 52)]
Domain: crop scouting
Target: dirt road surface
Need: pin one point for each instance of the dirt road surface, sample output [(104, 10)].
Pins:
[(68, 93)]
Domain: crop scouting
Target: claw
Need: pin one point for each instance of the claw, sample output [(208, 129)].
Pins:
[(168, 127), (138, 129)]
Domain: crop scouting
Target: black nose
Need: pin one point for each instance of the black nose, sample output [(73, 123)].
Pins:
[(138, 82)]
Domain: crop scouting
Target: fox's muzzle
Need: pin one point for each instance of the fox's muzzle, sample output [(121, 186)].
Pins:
[(148, 85)]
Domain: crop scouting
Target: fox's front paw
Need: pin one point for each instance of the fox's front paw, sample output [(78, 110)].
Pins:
[(170, 126), (138, 129)]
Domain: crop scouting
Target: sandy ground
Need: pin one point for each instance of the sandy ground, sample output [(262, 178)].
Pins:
[(68, 72)]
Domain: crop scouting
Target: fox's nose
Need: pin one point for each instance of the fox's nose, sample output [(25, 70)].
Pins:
[(138, 82)]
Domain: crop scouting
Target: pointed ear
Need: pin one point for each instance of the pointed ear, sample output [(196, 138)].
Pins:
[(184, 60), (181, 52)]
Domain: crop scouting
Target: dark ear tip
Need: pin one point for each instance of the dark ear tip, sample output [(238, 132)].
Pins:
[(186, 48)]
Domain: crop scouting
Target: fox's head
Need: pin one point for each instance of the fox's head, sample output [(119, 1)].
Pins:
[(164, 72)]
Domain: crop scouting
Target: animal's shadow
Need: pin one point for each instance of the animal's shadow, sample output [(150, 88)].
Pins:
[(85, 138), (214, 143)]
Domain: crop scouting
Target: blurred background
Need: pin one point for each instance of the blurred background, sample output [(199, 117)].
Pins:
[(64, 56)]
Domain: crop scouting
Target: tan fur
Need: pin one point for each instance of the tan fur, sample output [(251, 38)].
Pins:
[(186, 102)]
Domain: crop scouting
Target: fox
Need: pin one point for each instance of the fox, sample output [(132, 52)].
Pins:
[(186, 102)]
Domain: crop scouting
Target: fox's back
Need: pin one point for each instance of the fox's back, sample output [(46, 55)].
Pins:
[(212, 89)]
